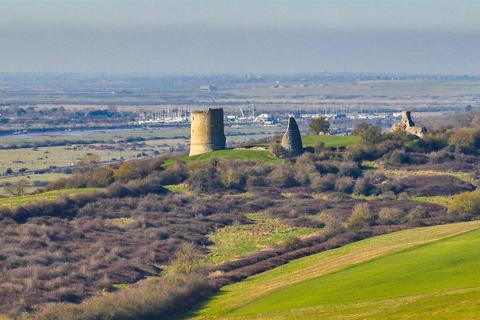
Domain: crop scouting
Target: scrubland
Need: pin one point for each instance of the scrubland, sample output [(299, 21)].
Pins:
[(163, 234)]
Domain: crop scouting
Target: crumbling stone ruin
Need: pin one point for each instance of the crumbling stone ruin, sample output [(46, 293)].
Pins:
[(207, 131), (406, 124), (292, 139)]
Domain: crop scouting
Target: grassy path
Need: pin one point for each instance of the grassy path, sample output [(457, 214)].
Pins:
[(314, 285)]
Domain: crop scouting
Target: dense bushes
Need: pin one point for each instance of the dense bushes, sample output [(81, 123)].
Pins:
[(155, 298), (400, 148), (465, 140), (309, 170), (104, 242), (370, 183), (66, 206), (425, 185), (400, 157), (89, 175)]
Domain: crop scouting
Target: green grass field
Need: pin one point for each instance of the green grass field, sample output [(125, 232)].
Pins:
[(330, 141), (238, 240), (13, 202), (100, 135), (159, 133), (422, 273), (44, 157)]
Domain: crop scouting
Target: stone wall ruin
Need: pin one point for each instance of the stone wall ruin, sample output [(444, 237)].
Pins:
[(406, 124)]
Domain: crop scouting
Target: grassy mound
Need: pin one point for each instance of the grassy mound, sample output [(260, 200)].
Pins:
[(13, 202), (263, 155), (232, 154), (229, 154), (421, 273)]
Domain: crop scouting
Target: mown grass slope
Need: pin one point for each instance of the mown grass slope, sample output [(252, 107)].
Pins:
[(13, 202), (424, 273)]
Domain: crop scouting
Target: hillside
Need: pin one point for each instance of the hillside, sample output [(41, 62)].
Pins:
[(392, 276), (164, 235)]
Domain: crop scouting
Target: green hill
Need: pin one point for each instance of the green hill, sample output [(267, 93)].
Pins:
[(423, 273)]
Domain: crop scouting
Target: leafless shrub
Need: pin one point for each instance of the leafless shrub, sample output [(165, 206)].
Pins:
[(389, 215), (361, 217)]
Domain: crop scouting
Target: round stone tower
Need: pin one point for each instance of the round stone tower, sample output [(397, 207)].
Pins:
[(207, 133)]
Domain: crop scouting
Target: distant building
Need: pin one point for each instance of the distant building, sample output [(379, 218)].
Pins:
[(265, 118), (209, 87)]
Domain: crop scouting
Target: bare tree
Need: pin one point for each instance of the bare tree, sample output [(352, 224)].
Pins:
[(187, 257), (17, 188)]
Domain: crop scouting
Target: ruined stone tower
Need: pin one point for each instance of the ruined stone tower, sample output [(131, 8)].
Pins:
[(207, 133), (292, 139), (406, 124)]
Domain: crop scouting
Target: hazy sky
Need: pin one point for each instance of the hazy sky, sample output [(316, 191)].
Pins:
[(224, 36)]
